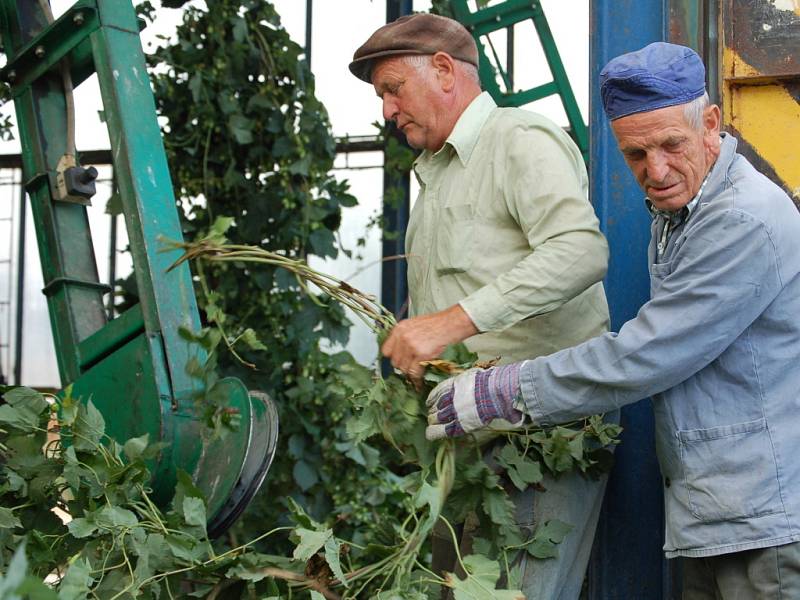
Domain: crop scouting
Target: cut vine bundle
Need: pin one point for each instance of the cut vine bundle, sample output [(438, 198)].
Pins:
[(392, 409)]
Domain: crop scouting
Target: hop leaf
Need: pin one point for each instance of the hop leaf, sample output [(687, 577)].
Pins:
[(310, 542), (482, 576), (88, 429), (546, 538), (8, 520)]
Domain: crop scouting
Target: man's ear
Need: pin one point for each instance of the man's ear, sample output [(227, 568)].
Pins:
[(712, 119), (444, 66)]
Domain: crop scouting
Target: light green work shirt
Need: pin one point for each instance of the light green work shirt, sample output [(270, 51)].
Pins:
[(502, 225)]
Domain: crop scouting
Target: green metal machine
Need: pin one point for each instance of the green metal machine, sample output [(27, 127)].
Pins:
[(485, 20), (133, 368)]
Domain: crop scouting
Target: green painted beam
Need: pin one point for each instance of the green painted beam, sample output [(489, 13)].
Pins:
[(506, 14), (519, 10), (44, 52), (145, 188), (531, 95), (105, 341), (579, 130), (62, 229)]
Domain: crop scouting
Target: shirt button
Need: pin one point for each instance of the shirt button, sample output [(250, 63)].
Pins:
[(667, 482)]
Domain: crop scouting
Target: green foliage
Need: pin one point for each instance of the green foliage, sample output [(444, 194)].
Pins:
[(247, 139), (484, 575), (5, 121), (442, 7), (398, 159), (109, 540), (116, 536), (245, 132), (17, 584), (113, 541), (543, 544)]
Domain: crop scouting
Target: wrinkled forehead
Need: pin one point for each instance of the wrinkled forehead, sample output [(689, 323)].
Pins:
[(660, 123), (390, 70)]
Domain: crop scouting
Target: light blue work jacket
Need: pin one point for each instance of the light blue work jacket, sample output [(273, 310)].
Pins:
[(718, 349)]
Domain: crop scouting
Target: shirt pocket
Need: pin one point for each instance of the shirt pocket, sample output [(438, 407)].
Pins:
[(730, 471), (455, 240), (658, 272)]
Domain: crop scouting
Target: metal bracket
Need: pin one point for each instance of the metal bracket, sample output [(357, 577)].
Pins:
[(46, 50), (66, 185), (58, 282)]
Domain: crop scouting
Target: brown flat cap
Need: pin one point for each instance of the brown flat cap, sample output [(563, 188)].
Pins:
[(421, 33)]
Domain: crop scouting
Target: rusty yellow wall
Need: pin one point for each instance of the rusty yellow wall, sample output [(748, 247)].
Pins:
[(760, 85)]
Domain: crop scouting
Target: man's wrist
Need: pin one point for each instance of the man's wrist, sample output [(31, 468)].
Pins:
[(459, 324), (488, 309)]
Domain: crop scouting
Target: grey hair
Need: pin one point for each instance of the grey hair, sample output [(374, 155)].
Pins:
[(693, 111), (470, 71), (418, 61), (421, 61)]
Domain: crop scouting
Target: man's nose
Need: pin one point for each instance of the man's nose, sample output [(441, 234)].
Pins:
[(389, 108), (657, 167)]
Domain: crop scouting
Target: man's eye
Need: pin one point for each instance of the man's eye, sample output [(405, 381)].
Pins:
[(634, 154)]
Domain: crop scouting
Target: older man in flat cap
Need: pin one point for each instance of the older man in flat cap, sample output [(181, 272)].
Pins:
[(504, 248), (717, 347)]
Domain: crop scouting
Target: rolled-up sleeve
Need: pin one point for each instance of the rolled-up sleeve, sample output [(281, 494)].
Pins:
[(545, 193), (724, 277)]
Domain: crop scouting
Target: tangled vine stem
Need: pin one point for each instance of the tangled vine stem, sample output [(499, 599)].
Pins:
[(526, 455), (377, 317)]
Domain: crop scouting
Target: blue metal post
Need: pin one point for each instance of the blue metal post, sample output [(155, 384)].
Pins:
[(20, 308), (627, 561), (394, 286), (309, 29)]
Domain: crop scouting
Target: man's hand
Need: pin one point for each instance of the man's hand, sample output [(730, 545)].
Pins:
[(425, 338), (472, 400)]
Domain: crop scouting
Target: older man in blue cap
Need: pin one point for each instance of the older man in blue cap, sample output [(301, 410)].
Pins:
[(717, 347)]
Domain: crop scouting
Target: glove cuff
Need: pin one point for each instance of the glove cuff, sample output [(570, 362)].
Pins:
[(495, 392)]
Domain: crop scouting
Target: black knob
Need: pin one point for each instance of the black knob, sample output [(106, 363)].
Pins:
[(80, 181), (88, 175)]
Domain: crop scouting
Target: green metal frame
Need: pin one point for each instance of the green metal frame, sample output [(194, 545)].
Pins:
[(484, 21), (134, 367)]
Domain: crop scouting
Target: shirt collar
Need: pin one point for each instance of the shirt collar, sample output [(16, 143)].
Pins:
[(465, 134), (462, 139)]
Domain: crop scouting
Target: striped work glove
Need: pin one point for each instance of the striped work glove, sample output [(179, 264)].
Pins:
[(472, 400)]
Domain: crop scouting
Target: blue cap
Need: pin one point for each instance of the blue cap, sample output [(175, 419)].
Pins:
[(657, 76)]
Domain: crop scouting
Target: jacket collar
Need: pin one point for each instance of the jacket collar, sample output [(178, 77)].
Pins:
[(719, 172)]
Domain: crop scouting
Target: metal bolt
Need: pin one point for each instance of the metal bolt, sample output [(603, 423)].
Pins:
[(12, 75), (39, 51), (78, 18)]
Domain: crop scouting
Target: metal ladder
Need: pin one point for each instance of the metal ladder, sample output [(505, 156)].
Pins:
[(504, 15), (134, 368)]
